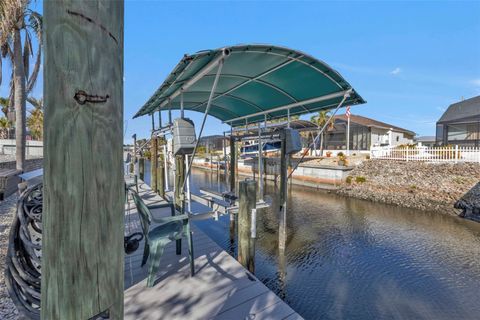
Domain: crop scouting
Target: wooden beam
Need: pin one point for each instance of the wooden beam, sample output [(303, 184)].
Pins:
[(83, 221), (153, 162), (247, 191), (282, 228), (134, 160), (160, 173), (232, 164), (179, 196), (141, 168)]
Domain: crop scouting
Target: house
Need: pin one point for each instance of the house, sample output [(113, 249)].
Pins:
[(214, 143), (365, 133), (460, 124), (427, 141)]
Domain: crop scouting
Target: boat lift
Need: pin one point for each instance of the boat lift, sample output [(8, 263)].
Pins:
[(246, 86)]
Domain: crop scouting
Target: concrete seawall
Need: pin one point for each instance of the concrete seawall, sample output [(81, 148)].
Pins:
[(30, 164), (315, 176)]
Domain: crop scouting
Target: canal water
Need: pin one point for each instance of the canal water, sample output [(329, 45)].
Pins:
[(352, 259)]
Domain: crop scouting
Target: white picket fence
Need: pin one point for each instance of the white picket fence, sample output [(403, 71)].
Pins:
[(431, 154)]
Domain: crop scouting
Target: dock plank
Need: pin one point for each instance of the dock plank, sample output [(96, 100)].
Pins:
[(221, 288)]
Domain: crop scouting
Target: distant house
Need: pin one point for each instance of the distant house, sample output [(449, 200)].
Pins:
[(427, 141), (460, 124), (214, 143), (365, 133)]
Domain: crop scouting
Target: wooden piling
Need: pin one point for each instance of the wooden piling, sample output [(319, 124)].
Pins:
[(141, 168), (84, 194), (232, 164), (179, 196), (161, 177), (153, 162), (134, 160), (282, 230), (247, 191), (179, 178)]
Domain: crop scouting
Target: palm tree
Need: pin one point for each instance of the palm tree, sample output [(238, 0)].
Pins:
[(35, 119), (17, 22), (320, 120), (4, 104), (5, 124)]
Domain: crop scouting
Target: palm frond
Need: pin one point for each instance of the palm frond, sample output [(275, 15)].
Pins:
[(35, 21), (36, 69), (26, 54)]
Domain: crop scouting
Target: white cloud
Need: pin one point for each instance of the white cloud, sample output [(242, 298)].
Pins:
[(475, 82), (396, 71)]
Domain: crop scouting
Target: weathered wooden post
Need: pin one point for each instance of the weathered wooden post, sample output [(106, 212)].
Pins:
[(134, 160), (84, 196), (232, 163), (160, 174), (179, 196), (224, 156), (247, 191), (179, 178), (141, 168), (153, 162), (282, 230)]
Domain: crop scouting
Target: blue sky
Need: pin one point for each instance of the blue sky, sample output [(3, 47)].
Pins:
[(409, 60)]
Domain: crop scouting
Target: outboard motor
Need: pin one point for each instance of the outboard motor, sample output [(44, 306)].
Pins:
[(184, 138), (293, 143)]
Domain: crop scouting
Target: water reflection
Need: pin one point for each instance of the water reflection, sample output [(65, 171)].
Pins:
[(348, 258)]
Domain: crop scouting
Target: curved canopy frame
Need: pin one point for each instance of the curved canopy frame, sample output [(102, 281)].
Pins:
[(256, 81)]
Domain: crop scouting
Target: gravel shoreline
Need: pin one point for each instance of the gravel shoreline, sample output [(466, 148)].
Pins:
[(414, 184), (8, 311)]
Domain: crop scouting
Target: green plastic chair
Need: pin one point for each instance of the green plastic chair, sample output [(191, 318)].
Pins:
[(168, 229)]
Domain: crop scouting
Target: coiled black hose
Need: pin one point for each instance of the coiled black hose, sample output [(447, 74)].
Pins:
[(22, 272)]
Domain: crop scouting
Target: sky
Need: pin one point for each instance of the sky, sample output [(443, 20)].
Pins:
[(408, 60)]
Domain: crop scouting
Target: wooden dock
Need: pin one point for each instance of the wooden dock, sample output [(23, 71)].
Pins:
[(220, 289)]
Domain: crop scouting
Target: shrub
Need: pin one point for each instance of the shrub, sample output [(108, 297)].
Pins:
[(348, 180), (367, 157), (340, 154), (360, 179)]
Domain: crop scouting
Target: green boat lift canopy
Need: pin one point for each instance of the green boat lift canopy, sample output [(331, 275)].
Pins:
[(251, 83)]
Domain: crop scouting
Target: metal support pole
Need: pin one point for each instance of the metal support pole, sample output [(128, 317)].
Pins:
[(348, 135), (169, 116), (165, 162), (288, 118), (181, 106), (212, 92), (260, 162), (189, 196), (153, 122), (159, 119)]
